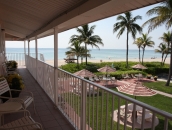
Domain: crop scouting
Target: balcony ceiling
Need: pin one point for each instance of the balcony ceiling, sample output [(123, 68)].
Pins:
[(25, 19)]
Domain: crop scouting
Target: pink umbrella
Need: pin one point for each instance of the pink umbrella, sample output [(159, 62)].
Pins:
[(107, 69), (139, 66), (136, 90), (84, 73)]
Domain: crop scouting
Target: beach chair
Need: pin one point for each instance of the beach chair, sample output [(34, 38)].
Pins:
[(25, 100), (91, 79), (96, 79), (24, 123), (113, 80), (132, 76)]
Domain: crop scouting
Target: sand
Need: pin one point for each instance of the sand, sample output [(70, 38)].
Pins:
[(62, 62)]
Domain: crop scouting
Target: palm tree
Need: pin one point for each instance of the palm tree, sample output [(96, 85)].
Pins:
[(162, 16), (138, 42), (162, 49), (76, 49), (86, 36), (166, 38), (127, 23), (146, 41)]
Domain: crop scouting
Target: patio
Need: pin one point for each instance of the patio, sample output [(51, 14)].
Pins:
[(50, 117)]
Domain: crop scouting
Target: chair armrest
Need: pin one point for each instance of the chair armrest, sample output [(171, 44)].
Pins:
[(31, 94), (5, 97)]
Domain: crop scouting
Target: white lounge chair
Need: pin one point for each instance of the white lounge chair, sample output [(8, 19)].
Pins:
[(24, 123), (24, 100)]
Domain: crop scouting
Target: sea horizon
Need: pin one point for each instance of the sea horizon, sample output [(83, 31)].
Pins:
[(96, 54)]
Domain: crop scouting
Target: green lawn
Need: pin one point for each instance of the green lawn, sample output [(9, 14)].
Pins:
[(160, 86), (158, 101)]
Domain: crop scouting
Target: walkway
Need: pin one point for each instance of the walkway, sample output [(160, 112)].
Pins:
[(50, 117)]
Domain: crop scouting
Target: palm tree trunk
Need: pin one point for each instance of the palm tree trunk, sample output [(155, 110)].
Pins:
[(162, 59), (143, 54), (139, 54), (86, 53), (77, 61), (127, 52), (170, 69), (165, 58)]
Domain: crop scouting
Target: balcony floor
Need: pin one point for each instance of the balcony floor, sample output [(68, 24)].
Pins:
[(50, 117)]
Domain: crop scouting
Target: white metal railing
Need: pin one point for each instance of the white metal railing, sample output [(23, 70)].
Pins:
[(20, 57), (88, 105)]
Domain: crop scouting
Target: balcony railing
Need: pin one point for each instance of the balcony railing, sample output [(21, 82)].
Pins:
[(20, 57), (88, 105)]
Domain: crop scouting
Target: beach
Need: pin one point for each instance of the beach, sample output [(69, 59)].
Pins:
[(62, 62)]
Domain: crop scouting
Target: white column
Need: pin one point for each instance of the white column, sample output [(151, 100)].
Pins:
[(56, 64), (36, 54), (3, 42), (25, 51), (24, 47), (28, 48), (0, 40)]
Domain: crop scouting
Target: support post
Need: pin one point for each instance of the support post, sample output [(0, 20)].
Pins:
[(28, 47), (0, 40), (25, 52), (36, 52), (3, 42), (56, 65), (83, 105)]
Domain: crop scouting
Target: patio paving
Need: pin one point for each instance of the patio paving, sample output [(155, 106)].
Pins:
[(47, 114)]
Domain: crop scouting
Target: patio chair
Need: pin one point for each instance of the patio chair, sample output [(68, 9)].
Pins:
[(96, 79), (24, 100), (24, 123), (113, 80), (132, 76), (91, 79)]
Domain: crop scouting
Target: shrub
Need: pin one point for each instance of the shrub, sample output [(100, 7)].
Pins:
[(15, 81), (12, 64)]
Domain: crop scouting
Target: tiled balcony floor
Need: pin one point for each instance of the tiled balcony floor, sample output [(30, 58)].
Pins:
[(47, 114)]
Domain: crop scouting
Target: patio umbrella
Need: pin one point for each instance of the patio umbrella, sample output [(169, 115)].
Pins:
[(139, 66), (136, 90), (84, 73), (107, 69)]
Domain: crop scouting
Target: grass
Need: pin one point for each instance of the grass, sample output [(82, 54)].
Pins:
[(160, 86), (98, 106)]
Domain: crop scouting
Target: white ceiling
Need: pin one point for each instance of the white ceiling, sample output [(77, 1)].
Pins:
[(25, 19)]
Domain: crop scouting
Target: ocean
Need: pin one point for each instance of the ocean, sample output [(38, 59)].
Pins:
[(102, 54)]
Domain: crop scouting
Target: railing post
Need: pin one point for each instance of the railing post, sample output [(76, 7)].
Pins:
[(56, 65), (83, 105)]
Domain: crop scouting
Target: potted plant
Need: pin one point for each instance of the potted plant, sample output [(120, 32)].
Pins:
[(149, 76), (155, 78), (12, 64), (15, 82)]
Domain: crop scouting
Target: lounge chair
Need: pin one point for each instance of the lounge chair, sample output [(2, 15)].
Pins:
[(132, 76), (24, 123), (91, 79), (96, 79), (24, 100)]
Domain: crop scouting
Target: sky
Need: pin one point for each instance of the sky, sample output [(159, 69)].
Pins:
[(104, 28)]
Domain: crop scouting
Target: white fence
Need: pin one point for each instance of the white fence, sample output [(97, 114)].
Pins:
[(20, 57), (90, 106)]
